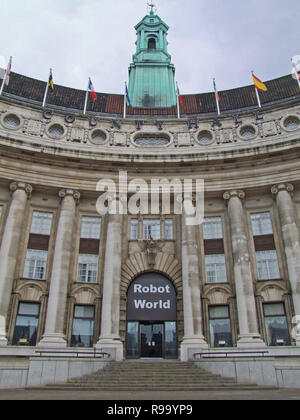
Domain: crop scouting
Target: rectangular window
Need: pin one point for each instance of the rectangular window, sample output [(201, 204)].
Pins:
[(220, 326), (1, 208), (90, 227), (83, 326), (87, 268), (41, 223), (151, 229), (134, 229), (35, 264), (215, 269), (27, 321), (267, 265), (276, 324), (261, 224), (212, 228), (169, 229)]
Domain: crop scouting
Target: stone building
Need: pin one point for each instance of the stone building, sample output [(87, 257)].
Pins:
[(149, 284)]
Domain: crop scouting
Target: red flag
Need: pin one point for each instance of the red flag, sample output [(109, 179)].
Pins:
[(91, 88)]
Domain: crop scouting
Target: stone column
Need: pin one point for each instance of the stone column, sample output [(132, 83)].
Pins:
[(291, 240), (109, 340), (248, 325), (54, 335), (192, 308), (10, 249)]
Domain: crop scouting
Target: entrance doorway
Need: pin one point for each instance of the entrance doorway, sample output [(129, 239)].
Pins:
[(151, 318), (151, 340)]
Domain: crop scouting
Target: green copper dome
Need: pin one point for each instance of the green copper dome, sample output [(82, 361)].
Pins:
[(151, 74)]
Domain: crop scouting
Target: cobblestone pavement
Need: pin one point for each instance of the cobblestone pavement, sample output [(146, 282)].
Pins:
[(278, 394)]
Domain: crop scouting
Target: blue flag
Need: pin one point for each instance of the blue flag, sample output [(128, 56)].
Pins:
[(127, 96)]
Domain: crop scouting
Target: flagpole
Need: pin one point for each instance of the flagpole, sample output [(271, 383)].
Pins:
[(86, 97), (5, 76), (297, 74), (178, 107), (125, 103), (46, 91)]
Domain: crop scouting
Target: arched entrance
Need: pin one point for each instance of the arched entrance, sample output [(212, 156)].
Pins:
[(151, 318)]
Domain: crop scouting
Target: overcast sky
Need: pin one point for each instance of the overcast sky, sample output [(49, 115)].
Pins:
[(225, 39)]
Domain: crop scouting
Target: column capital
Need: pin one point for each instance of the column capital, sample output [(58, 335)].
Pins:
[(16, 185), (284, 186), (234, 193), (67, 191)]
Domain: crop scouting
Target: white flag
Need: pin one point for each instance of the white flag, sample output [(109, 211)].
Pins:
[(8, 73)]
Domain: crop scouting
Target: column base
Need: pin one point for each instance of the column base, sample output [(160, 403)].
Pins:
[(3, 339), (111, 345), (191, 345), (55, 341), (250, 340)]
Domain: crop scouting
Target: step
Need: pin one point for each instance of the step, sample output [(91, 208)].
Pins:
[(152, 376)]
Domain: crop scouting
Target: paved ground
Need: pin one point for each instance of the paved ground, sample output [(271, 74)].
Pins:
[(280, 394)]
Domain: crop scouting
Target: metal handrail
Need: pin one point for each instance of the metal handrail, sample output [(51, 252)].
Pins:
[(74, 353), (243, 354)]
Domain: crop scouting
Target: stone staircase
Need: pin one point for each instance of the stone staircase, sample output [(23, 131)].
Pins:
[(153, 376)]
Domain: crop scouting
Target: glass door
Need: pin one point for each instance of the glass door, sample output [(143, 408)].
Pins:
[(151, 339)]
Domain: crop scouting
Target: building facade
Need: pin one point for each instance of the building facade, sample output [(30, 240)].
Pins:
[(146, 283)]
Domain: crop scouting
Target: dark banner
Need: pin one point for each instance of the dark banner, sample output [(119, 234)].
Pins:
[(151, 297)]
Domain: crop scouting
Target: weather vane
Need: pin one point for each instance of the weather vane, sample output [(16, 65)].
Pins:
[(152, 6)]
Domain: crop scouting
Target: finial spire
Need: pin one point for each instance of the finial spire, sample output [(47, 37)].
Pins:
[(152, 7)]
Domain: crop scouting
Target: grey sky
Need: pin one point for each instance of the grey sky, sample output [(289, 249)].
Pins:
[(225, 39)]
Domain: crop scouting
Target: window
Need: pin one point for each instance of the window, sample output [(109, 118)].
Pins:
[(27, 321), (267, 265), (215, 268), (1, 207), (261, 224), (35, 264), (83, 326), (90, 227), (212, 228), (151, 44), (134, 229), (41, 223), (87, 268), (169, 229), (220, 326), (276, 324), (151, 229)]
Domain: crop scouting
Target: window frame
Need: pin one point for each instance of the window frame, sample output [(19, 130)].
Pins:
[(41, 230), (36, 260), (93, 319), (267, 265), (79, 270), (208, 256), (220, 318), (90, 230), (261, 232), (37, 317), (284, 315)]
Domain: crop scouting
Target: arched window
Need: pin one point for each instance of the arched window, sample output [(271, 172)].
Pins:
[(151, 44)]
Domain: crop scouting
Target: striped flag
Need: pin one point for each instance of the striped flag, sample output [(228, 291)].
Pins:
[(217, 97), (179, 95), (259, 84), (297, 74), (92, 90), (216, 91), (7, 79), (50, 82)]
